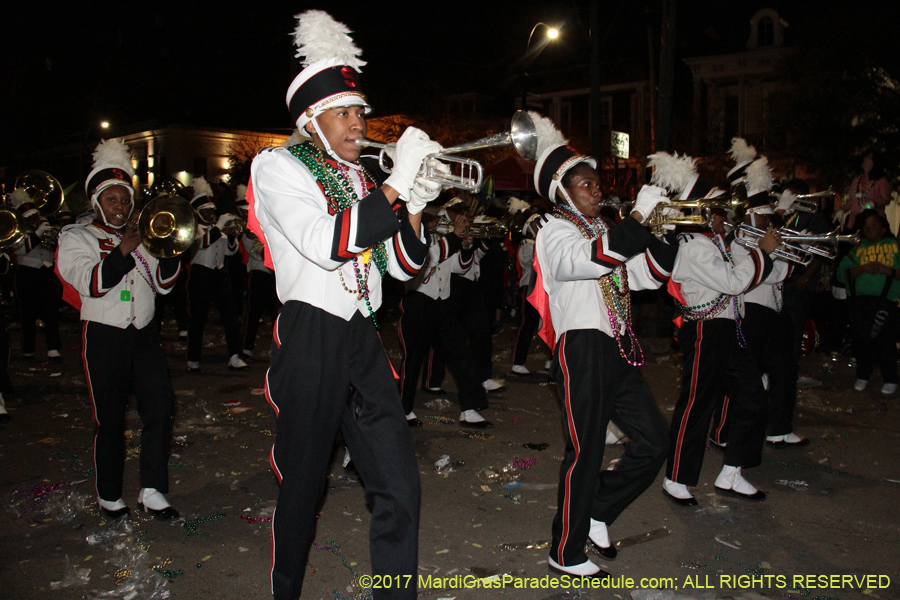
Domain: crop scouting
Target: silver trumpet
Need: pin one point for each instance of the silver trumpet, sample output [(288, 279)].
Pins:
[(797, 247), (809, 202), (522, 135)]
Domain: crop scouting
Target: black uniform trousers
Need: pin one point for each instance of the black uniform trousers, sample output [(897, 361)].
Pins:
[(237, 273), (529, 319), (769, 338), (328, 374), (207, 285), (880, 350), (262, 297), (178, 299), (116, 362), (596, 385), (427, 322), (714, 365), (468, 304), (6, 386), (38, 291)]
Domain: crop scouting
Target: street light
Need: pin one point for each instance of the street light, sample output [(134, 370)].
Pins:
[(84, 142), (552, 34)]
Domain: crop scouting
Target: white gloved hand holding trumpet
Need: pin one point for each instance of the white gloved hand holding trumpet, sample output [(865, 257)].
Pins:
[(408, 157)]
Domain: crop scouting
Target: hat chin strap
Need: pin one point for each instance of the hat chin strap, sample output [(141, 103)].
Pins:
[(569, 202), (95, 202), (328, 148)]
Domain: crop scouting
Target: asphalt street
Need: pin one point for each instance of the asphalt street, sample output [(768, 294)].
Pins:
[(830, 517)]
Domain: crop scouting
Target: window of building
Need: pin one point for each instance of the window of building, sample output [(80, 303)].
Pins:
[(765, 32)]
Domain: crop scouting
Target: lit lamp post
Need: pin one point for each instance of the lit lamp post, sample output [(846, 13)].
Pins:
[(552, 34)]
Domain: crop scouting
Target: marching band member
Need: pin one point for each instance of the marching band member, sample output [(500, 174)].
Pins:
[(428, 320), (261, 294), (766, 325), (708, 283), (331, 236), (528, 315), (116, 280), (208, 280), (36, 285), (586, 268), (6, 386)]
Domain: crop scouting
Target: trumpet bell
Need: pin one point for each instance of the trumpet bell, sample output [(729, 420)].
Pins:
[(167, 226), (44, 190)]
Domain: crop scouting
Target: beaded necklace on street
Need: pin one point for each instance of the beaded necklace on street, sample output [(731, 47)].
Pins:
[(143, 261), (613, 286), (341, 195)]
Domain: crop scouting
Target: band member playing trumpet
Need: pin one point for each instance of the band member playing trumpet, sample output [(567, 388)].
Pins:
[(115, 280), (209, 281), (585, 268), (36, 285), (331, 236), (708, 283)]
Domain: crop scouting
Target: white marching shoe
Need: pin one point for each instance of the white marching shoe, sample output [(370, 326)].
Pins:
[(113, 510), (153, 502), (235, 363), (731, 483), (678, 493)]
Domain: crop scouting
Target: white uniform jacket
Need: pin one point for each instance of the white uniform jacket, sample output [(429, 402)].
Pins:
[(115, 290), (312, 245), (704, 274), (571, 265), (255, 259), (445, 257), (525, 256), (768, 293), (470, 266), (213, 247), (30, 253)]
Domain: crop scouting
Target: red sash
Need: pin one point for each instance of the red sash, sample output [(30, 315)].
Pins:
[(541, 301), (253, 225)]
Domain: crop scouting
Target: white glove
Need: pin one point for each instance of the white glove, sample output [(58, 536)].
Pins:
[(412, 149), (648, 198), (425, 190), (42, 229), (786, 200), (224, 219)]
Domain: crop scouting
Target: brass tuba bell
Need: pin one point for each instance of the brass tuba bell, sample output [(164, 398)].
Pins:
[(167, 226), (44, 190), (13, 228)]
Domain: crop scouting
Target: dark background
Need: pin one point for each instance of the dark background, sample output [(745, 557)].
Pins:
[(66, 66)]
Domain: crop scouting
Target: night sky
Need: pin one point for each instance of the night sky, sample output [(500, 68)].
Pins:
[(65, 66)]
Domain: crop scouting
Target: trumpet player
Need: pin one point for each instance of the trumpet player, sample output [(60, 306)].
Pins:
[(209, 282), (115, 279), (37, 287), (708, 284), (331, 235), (767, 328), (585, 269)]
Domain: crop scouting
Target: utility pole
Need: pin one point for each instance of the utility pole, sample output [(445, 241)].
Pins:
[(666, 77), (597, 144)]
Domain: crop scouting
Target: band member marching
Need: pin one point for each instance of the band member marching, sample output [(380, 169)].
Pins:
[(331, 236), (36, 285), (585, 269), (209, 281), (708, 283), (115, 280)]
